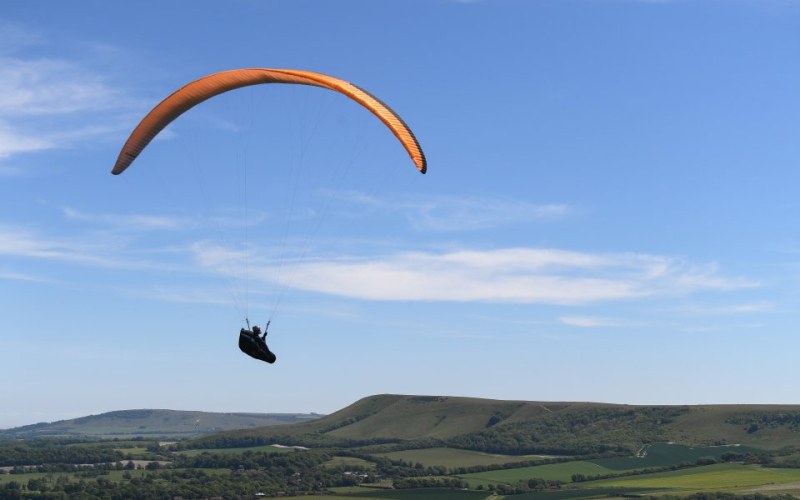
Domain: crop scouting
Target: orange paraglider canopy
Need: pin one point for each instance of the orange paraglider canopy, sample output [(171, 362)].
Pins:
[(209, 86)]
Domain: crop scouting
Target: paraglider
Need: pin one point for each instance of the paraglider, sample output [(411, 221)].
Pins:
[(202, 89), (209, 86), (252, 343)]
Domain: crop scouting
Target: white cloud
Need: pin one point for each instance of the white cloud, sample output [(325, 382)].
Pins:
[(132, 221), (591, 321), (23, 243), (48, 103), (723, 310), (187, 295), (144, 222), (459, 214), (50, 87), (453, 213), (218, 258), (516, 275), (510, 275), (13, 141), (90, 249)]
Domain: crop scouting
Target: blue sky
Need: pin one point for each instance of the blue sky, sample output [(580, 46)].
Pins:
[(610, 212)]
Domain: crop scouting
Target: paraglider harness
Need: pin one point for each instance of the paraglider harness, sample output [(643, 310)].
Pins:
[(255, 346)]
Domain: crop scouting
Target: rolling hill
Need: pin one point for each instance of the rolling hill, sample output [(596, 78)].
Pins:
[(519, 427), (154, 424)]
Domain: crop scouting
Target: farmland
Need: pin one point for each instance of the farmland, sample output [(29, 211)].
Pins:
[(710, 477), (419, 494), (404, 447), (344, 476), (666, 454), (454, 457), (560, 472)]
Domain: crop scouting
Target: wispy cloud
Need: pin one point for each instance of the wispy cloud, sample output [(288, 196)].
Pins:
[(132, 221), (717, 327), (39, 95), (455, 213), (728, 309), (186, 295), (14, 141), (149, 222), (516, 275), (51, 87), (524, 275), (459, 214), (592, 321), (16, 276), (19, 242), (92, 249)]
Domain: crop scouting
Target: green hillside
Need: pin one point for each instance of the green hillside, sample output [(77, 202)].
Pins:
[(526, 427), (423, 447), (154, 424)]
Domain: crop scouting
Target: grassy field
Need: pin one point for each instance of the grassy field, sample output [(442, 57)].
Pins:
[(385, 484), (665, 454), (232, 451), (359, 493), (707, 478), (426, 494), (560, 471), (454, 457), (444, 494), (421, 494), (572, 494), (717, 477)]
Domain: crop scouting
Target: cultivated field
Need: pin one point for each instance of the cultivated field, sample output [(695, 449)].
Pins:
[(462, 430), (454, 457), (715, 477), (421, 494), (414, 494), (666, 454), (561, 471)]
